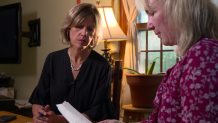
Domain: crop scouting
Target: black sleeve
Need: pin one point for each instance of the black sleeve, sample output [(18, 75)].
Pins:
[(101, 107), (41, 93)]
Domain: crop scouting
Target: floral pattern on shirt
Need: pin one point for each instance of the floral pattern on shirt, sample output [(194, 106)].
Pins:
[(189, 90)]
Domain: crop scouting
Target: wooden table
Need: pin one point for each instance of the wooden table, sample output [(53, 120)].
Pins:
[(139, 113), (20, 118)]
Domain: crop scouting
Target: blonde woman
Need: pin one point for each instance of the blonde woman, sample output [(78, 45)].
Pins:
[(189, 90), (77, 74)]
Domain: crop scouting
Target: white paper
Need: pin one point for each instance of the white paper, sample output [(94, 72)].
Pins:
[(22, 104), (8, 92), (71, 114)]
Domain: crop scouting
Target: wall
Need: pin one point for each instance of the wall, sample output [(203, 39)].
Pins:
[(216, 2), (25, 76)]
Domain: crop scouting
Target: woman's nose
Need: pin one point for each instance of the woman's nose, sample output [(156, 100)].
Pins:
[(84, 32), (150, 26)]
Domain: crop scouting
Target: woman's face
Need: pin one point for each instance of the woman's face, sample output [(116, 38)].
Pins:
[(157, 24), (82, 34)]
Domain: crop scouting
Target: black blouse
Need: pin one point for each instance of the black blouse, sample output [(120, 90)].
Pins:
[(89, 93)]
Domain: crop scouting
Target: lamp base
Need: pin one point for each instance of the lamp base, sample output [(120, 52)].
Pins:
[(107, 55)]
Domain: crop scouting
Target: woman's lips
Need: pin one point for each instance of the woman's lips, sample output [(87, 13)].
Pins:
[(158, 34), (82, 41)]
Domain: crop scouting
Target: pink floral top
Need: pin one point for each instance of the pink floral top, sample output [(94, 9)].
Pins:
[(189, 90)]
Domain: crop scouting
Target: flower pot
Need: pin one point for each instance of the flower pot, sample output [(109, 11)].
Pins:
[(143, 89)]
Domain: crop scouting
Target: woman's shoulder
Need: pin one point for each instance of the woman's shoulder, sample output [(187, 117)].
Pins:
[(57, 55), (204, 45), (206, 42), (95, 56), (58, 52), (204, 49)]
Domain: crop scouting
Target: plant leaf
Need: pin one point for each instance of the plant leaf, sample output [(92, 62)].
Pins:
[(132, 70), (151, 67)]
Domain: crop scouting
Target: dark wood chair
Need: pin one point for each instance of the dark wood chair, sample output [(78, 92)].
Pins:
[(116, 86)]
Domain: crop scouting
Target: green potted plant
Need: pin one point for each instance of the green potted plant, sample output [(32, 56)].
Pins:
[(143, 87)]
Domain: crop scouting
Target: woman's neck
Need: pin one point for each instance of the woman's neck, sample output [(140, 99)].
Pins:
[(78, 56)]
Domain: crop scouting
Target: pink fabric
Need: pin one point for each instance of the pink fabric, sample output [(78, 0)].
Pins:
[(189, 90)]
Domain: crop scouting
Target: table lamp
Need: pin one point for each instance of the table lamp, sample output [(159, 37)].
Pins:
[(110, 29)]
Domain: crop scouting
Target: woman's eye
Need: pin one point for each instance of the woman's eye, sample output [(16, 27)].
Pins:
[(150, 13), (90, 29), (80, 27)]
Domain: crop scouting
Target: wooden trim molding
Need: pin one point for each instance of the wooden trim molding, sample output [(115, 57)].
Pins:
[(78, 1), (123, 26), (112, 3), (141, 25)]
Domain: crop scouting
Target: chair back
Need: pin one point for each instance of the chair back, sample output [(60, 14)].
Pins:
[(116, 77)]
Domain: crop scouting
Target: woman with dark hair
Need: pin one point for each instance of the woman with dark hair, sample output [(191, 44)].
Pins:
[(77, 74)]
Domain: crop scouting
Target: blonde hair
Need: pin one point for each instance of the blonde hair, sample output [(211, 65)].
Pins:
[(75, 16), (189, 21)]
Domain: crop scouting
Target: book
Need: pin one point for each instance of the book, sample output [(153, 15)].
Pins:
[(71, 114)]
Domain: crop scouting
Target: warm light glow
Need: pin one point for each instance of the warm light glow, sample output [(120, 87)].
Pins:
[(110, 28), (110, 18)]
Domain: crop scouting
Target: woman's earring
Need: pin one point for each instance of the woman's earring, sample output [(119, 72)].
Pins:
[(68, 36), (92, 43)]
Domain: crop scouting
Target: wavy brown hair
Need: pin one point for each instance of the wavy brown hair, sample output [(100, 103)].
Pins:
[(75, 16)]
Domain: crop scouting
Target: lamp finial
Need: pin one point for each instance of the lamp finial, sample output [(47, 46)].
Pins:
[(98, 3)]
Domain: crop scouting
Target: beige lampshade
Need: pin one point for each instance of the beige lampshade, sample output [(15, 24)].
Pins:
[(110, 28)]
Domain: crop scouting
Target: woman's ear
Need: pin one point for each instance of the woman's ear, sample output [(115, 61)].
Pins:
[(68, 34)]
